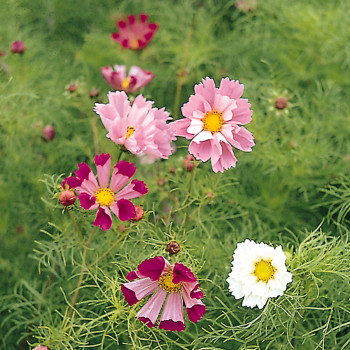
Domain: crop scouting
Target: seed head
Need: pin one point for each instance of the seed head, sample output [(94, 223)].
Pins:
[(173, 247)]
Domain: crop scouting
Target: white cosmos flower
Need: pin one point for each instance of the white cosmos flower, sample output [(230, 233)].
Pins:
[(258, 272)]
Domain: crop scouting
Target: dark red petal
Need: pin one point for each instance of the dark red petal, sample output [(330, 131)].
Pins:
[(129, 295), (103, 220), (126, 209), (102, 158), (196, 312), (183, 274), (121, 24), (197, 294), (83, 172), (131, 19), (146, 321), (126, 168), (139, 186), (131, 276), (72, 182), (115, 36), (152, 268), (86, 200), (143, 17), (170, 325)]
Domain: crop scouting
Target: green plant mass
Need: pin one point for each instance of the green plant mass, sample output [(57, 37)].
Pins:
[(174, 174)]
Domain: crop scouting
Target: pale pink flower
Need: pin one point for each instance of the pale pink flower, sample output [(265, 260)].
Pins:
[(135, 35), (177, 284), (118, 80), (41, 347), (213, 119), (140, 128), (104, 195)]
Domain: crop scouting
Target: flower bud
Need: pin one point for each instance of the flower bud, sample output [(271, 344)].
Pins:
[(138, 213), (48, 133), (281, 103), (188, 163), (72, 87), (173, 247), (2, 53), (18, 46), (161, 182), (94, 93), (67, 198), (41, 347)]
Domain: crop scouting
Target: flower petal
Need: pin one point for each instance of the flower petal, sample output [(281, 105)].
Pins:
[(122, 173), (87, 201), (134, 189), (103, 219), (136, 290), (172, 318), (182, 273), (154, 267), (123, 209), (103, 166)]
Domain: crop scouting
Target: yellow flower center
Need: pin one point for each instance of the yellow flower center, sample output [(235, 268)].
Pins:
[(134, 44), (129, 131), (166, 282), (104, 197), (125, 83), (213, 121), (264, 271)]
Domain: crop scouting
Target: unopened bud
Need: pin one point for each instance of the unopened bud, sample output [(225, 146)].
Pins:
[(18, 46), (94, 93), (72, 87), (20, 229), (48, 133), (188, 163), (172, 170), (138, 213), (281, 103), (161, 181), (67, 198), (173, 247), (210, 195)]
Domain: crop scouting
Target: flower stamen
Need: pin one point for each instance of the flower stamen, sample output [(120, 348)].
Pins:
[(129, 131), (264, 271), (104, 197), (125, 83), (213, 121), (166, 282)]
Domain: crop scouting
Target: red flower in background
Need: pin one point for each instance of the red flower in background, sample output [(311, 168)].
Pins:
[(135, 35)]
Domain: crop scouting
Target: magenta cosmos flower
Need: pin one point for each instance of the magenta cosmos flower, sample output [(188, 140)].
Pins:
[(118, 80), (176, 284), (104, 195), (213, 119), (140, 128), (135, 35)]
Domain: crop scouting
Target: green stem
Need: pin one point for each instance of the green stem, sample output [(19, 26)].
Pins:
[(76, 226), (95, 134), (189, 192), (82, 272), (108, 251), (180, 75)]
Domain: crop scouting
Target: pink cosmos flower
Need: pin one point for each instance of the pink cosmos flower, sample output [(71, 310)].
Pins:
[(18, 46), (41, 347), (99, 195), (140, 128), (213, 119), (177, 284), (118, 80), (135, 35)]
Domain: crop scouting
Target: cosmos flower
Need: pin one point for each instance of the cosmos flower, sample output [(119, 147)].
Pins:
[(213, 119), (135, 35), (105, 195), (258, 272), (140, 128), (177, 284), (118, 80), (41, 347)]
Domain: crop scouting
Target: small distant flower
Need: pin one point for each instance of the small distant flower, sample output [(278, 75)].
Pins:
[(135, 35), (258, 272), (95, 194), (41, 347), (67, 198), (247, 5), (176, 283), (140, 128), (118, 80), (18, 46), (213, 119), (48, 133)]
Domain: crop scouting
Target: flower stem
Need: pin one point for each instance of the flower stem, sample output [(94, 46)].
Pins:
[(76, 225), (181, 75), (108, 251), (82, 272), (187, 215), (95, 134)]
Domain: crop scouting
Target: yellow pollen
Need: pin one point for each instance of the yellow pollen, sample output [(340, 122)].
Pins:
[(125, 83), (264, 271), (129, 131), (166, 282), (213, 121), (104, 197)]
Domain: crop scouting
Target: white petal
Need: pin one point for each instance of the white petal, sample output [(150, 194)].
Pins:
[(203, 136)]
